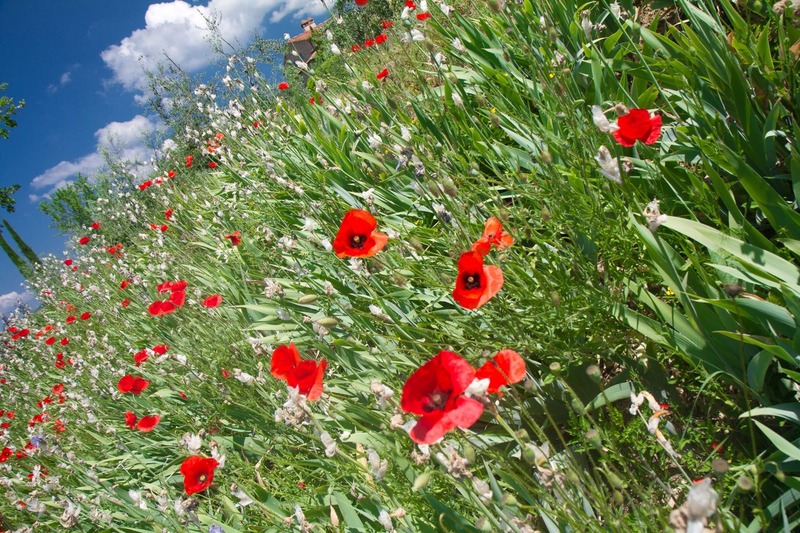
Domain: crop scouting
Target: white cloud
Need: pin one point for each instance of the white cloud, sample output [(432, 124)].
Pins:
[(65, 79), (123, 139), (9, 301), (179, 30)]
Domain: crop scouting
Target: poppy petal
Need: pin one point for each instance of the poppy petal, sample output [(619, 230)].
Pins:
[(284, 360)]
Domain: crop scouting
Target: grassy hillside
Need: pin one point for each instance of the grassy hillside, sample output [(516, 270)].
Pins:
[(524, 340)]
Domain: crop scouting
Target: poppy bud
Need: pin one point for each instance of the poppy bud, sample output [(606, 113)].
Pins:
[(618, 498), (614, 480), (593, 436), (421, 481), (509, 499), (593, 371), (483, 525), (469, 453), (555, 367), (523, 435), (328, 321)]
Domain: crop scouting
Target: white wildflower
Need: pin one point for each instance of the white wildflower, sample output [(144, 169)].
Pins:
[(601, 121), (445, 9), (302, 65), (243, 377), (335, 49), (374, 140), (136, 498), (381, 392), (609, 166), (378, 466), (367, 86), (244, 499), (457, 100), (329, 443), (458, 45), (379, 313), (417, 35), (192, 442), (405, 134), (586, 24), (477, 389), (386, 520), (654, 217)]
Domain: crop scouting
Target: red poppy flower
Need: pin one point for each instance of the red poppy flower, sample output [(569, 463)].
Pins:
[(58, 388), (492, 234), (386, 24), (369, 42), (161, 349), (638, 125), (382, 74), (357, 236), (159, 308), (84, 240), (148, 423), (171, 174), (189, 160), (307, 376), (68, 262), (381, 38), (95, 225), (51, 341), (355, 48), (361, 2), (140, 357), (476, 283), (145, 185), (423, 16), (177, 298), (282, 86), (505, 368), (124, 283), (172, 286), (168, 214), (410, 4), (86, 316), (198, 473), (436, 391), (130, 420), (235, 238), (225, 373), (64, 341), (71, 319), (125, 303), (212, 301), (212, 164), (284, 360), (132, 384)]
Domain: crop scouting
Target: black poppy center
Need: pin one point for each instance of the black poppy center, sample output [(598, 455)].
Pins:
[(472, 280), (436, 400), (358, 241)]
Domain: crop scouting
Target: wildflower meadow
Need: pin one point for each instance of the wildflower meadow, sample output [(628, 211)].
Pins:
[(486, 265)]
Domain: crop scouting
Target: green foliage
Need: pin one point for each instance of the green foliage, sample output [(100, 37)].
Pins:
[(23, 267), (71, 208), (8, 108), (484, 113), (7, 200), (26, 250)]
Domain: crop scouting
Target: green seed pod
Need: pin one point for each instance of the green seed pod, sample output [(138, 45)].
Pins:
[(422, 481), (618, 498), (307, 299), (328, 321), (529, 454)]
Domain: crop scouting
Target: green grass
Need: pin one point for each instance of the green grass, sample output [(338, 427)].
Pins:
[(495, 123)]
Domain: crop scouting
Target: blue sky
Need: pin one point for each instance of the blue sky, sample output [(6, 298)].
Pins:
[(79, 67)]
